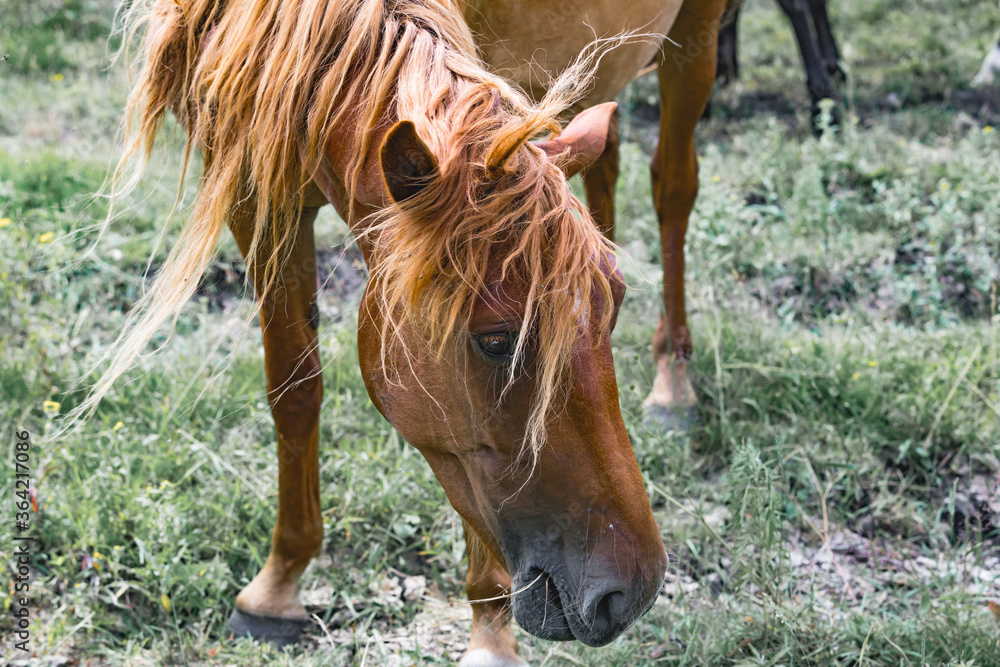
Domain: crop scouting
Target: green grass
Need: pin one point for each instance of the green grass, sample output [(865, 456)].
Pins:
[(843, 298)]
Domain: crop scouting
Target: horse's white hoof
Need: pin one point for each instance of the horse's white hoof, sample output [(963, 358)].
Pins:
[(482, 657)]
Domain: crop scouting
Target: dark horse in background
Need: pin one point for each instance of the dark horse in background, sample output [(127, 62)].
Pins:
[(817, 46)]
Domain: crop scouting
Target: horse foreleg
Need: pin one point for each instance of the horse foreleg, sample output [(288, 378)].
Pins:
[(686, 77), (492, 643), (599, 182), (268, 607)]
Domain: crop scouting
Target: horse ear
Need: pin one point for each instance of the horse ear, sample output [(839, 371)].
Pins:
[(584, 139), (408, 165)]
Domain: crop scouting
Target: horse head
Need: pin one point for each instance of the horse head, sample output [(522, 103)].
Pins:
[(485, 339)]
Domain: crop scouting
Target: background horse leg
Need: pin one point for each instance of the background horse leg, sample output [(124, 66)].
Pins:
[(268, 608), (817, 80), (728, 66), (824, 35), (990, 70), (599, 181), (686, 77), (492, 643)]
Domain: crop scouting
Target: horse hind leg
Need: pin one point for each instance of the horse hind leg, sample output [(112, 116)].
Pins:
[(686, 78), (727, 69), (268, 607), (492, 643), (827, 43), (990, 71), (817, 79), (599, 181)]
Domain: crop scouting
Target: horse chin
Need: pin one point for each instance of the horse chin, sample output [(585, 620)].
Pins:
[(538, 606)]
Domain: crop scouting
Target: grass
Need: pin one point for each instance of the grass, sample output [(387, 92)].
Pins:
[(843, 294)]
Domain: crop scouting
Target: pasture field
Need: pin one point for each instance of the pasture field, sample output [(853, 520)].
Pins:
[(838, 506)]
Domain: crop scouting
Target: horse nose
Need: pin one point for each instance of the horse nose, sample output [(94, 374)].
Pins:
[(613, 603), (609, 611)]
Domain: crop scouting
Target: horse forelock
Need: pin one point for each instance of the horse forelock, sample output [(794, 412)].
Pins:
[(476, 226)]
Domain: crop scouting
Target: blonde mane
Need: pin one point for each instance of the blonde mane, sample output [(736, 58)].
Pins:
[(263, 85)]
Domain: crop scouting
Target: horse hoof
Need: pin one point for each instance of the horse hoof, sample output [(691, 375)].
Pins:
[(681, 420), (482, 657), (279, 632)]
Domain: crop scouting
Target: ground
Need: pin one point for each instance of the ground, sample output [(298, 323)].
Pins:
[(838, 505)]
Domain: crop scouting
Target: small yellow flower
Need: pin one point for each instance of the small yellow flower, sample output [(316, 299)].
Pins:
[(165, 601), (5, 222), (80, 585), (121, 516), (988, 129), (716, 179), (3, 276), (56, 77), (116, 547), (203, 571), (46, 237), (149, 488), (857, 376), (98, 554), (50, 406), (945, 185), (117, 426), (873, 363)]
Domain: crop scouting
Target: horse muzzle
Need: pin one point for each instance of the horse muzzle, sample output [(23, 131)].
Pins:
[(594, 610)]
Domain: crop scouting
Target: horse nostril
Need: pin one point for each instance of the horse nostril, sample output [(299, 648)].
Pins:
[(608, 612)]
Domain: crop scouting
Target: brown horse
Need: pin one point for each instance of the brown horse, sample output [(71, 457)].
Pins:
[(484, 332)]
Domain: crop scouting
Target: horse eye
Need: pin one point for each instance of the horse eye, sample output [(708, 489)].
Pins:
[(496, 346)]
